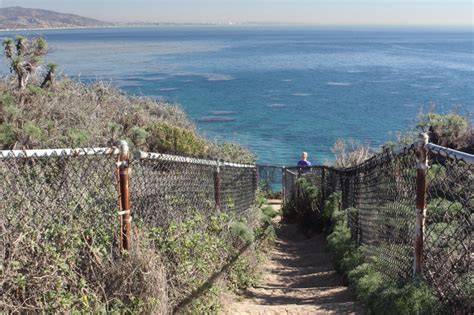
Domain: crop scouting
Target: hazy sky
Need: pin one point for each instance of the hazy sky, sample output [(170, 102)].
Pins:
[(320, 12)]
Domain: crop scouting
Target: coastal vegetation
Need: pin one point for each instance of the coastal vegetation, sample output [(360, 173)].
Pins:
[(452, 130), (183, 266), (372, 289)]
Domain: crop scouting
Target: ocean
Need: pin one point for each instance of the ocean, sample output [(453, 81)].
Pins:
[(280, 90)]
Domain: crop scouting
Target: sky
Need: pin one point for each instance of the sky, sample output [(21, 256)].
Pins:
[(317, 12)]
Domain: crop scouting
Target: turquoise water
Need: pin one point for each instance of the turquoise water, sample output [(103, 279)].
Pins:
[(281, 90)]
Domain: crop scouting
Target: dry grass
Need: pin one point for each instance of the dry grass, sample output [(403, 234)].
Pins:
[(350, 153)]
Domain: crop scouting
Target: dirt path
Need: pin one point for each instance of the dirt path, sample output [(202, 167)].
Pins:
[(298, 278)]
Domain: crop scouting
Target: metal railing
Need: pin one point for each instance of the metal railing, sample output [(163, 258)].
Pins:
[(95, 185)]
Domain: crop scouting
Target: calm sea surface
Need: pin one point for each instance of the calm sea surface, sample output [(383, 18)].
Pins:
[(280, 90)]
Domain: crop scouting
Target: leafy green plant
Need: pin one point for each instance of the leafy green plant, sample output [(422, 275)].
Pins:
[(304, 205), (269, 212), (8, 134), (242, 274), (371, 289), (32, 131), (332, 205), (25, 56), (242, 231), (443, 210), (167, 138), (78, 138), (339, 241)]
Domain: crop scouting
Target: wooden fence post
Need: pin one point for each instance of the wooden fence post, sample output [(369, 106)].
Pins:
[(422, 168), (124, 190), (217, 186)]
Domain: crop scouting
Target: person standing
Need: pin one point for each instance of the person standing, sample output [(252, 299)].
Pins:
[(304, 160)]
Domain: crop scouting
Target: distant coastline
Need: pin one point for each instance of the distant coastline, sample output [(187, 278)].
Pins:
[(323, 27)]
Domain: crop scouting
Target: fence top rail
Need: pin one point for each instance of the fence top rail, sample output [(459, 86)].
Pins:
[(270, 166), (450, 153), (433, 148), (183, 159), (13, 154), (44, 153), (291, 172), (297, 168)]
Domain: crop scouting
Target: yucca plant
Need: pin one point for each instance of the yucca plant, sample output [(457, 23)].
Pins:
[(25, 58)]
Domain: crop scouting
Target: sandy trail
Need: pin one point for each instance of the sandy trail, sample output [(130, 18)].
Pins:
[(298, 278)]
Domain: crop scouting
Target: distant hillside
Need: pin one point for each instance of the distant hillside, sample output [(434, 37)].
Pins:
[(23, 18)]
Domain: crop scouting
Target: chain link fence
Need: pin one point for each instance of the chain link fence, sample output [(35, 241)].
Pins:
[(57, 198), (380, 199), (270, 179)]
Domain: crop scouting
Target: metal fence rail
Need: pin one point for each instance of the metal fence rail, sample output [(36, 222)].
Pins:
[(410, 219)]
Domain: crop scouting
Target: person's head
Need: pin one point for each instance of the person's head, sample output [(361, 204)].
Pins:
[(304, 156)]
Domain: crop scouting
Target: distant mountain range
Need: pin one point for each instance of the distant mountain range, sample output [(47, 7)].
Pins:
[(23, 18)]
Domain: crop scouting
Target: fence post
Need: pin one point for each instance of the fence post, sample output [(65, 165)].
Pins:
[(125, 207), (217, 186), (283, 182), (421, 167), (255, 179), (323, 186)]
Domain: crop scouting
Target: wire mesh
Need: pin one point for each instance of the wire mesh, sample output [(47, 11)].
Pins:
[(238, 188), (382, 190), (289, 184), (448, 247), (71, 194), (170, 189), (381, 194), (164, 192), (49, 202), (270, 178)]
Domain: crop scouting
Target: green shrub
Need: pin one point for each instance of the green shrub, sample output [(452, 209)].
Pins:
[(360, 271), (12, 113), (369, 286), (269, 212), (398, 298), (418, 298), (436, 174), (449, 130), (6, 99), (166, 138), (339, 241), (8, 135), (242, 231), (376, 294), (443, 210), (78, 138), (32, 131), (288, 209), (138, 135), (261, 200), (242, 274), (208, 303), (304, 205), (331, 206), (351, 260)]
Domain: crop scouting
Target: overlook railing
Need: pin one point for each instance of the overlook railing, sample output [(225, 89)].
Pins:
[(411, 210), (105, 187)]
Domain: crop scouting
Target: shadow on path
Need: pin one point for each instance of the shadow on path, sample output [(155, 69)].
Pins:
[(298, 278)]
